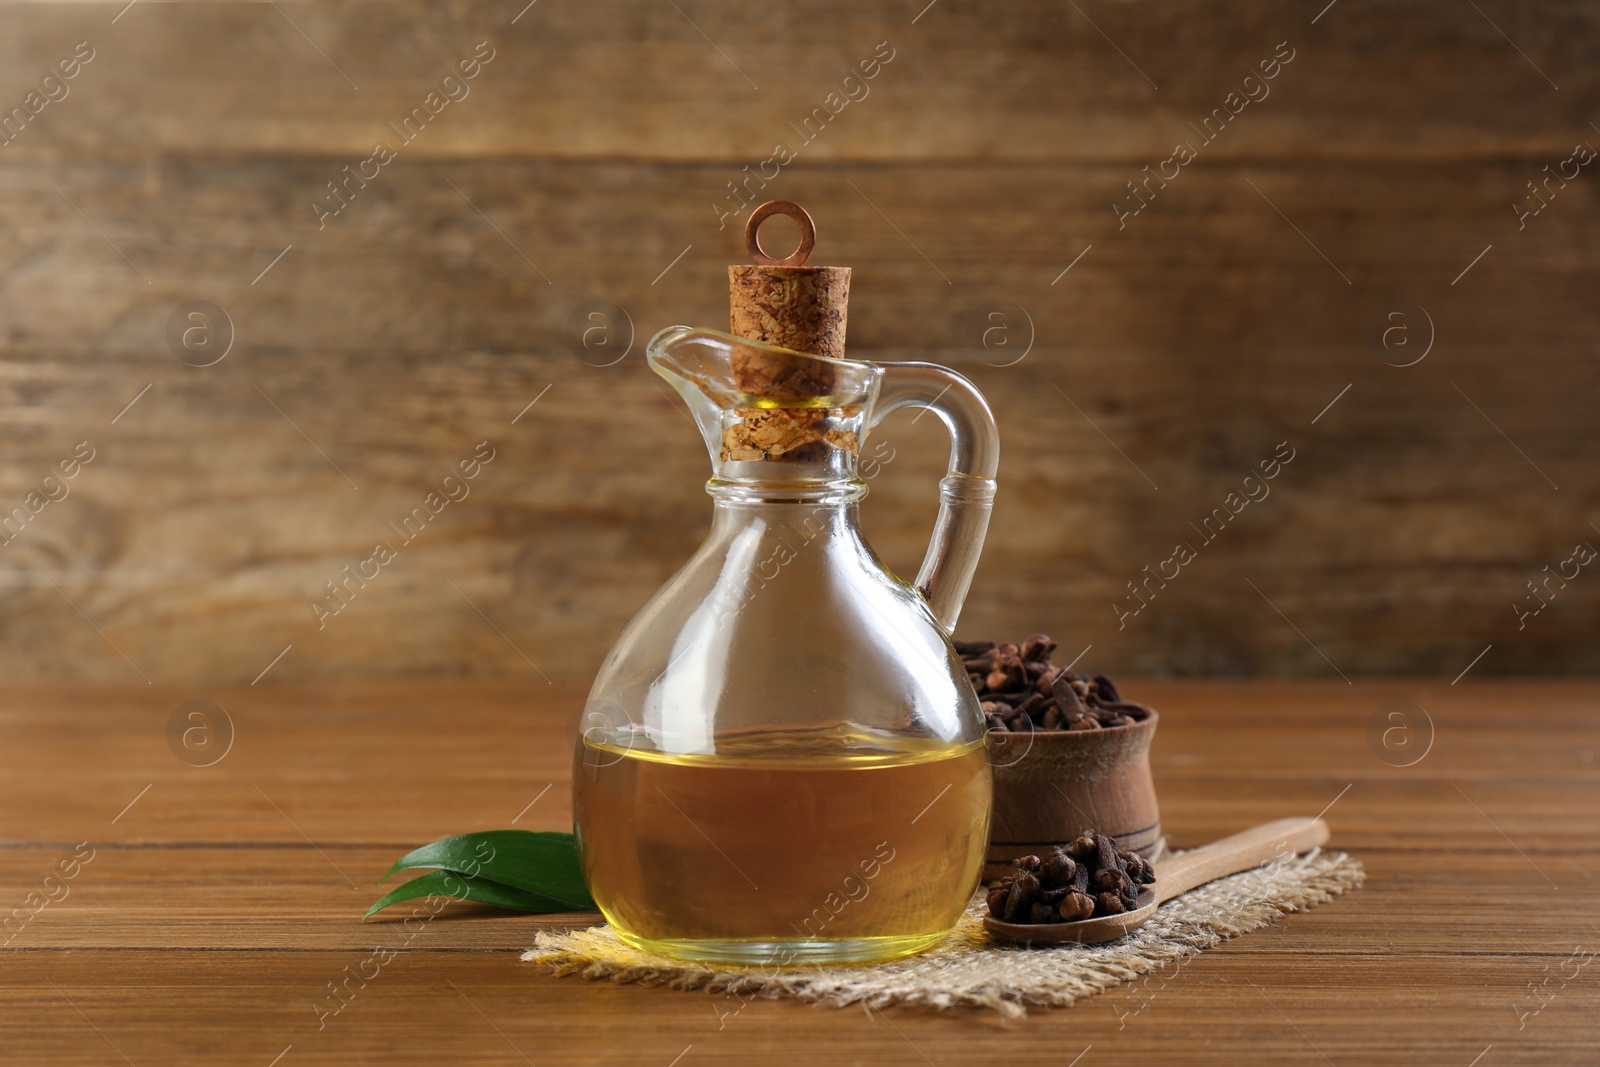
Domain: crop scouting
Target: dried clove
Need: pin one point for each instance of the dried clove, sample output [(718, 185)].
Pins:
[(1080, 879), (1032, 706), (1060, 867), (1037, 647), (1088, 878), (996, 899), (1106, 853), (1021, 690), (1108, 880), (1108, 692), (1076, 906), (1024, 888), (1139, 869), (1067, 696)]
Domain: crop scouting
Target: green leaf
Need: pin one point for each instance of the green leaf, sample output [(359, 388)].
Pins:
[(543, 863), (460, 887)]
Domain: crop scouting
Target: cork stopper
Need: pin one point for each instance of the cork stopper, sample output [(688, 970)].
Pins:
[(783, 302)]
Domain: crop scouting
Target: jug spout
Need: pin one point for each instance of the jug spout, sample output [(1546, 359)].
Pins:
[(767, 413)]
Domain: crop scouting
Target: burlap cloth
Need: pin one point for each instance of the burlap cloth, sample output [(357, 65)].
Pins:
[(968, 969)]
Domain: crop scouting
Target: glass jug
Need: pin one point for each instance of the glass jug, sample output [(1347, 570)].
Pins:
[(782, 759)]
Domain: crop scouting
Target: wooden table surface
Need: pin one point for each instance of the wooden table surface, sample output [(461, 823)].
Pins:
[(221, 901)]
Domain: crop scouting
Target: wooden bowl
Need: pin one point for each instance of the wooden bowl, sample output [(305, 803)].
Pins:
[(1052, 785)]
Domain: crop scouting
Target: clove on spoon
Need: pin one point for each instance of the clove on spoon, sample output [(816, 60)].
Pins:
[(1173, 877)]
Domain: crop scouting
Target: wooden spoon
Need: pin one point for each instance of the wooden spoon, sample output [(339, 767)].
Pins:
[(1174, 877)]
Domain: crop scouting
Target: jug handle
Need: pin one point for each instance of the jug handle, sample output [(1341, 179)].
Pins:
[(966, 493)]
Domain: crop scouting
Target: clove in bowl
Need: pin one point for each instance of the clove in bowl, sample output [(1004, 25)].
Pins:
[(1069, 753)]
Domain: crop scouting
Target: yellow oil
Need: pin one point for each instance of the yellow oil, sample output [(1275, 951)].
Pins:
[(784, 847)]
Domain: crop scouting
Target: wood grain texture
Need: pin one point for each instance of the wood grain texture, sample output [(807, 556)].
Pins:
[(586, 173), (1041, 82), (206, 927)]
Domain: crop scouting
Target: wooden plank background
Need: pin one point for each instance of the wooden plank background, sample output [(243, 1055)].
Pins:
[(583, 172)]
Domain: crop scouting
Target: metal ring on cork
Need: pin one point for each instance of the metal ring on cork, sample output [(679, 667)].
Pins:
[(808, 234)]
